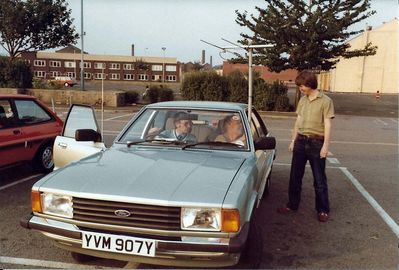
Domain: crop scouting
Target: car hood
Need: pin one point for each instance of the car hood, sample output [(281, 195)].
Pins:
[(143, 175)]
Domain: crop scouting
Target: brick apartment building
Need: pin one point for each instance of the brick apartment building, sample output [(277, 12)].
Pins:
[(287, 76), (66, 62)]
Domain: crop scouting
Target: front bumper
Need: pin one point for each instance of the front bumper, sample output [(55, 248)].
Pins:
[(171, 253)]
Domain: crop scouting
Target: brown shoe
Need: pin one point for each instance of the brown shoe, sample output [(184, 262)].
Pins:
[(323, 217), (284, 210)]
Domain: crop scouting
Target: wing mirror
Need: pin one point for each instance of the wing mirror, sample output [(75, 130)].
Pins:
[(265, 143), (87, 135)]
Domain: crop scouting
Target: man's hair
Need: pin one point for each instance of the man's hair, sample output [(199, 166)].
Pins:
[(307, 79), (181, 116)]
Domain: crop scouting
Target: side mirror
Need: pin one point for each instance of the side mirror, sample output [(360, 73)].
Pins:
[(87, 135), (265, 143)]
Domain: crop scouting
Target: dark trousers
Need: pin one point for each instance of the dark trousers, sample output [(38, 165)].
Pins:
[(308, 149)]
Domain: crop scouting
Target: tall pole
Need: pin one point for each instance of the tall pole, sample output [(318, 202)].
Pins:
[(82, 33), (250, 84), (102, 102), (163, 65)]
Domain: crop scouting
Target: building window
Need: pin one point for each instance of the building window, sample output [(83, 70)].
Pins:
[(87, 75), (143, 77), (156, 68), (170, 68), (55, 63), (85, 64), (156, 78), (171, 78), (71, 74), (115, 76), (128, 67), (70, 64), (128, 77), (99, 76), (54, 74), (39, 74), (39, 63), (99, 65), (115, 66)]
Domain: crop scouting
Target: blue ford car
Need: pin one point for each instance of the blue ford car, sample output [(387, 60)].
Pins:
[(179, 186)]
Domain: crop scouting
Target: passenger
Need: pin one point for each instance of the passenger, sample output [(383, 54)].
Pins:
[(182, 131), (233, 131)]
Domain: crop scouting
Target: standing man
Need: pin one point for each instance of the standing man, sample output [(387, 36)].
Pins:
[(310, 141)]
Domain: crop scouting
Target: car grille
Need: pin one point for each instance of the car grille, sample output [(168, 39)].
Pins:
[(142, 216)]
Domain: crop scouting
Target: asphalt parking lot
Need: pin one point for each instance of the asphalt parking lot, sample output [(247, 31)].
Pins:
[(363, 231)]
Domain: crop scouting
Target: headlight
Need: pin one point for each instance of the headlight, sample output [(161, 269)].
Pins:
[(57, 205), (197, 219)]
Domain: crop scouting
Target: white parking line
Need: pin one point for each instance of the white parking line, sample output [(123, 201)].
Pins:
[(116, 117), (308, 166), (350, 142), (394, 120), (388, 220), (382, 122), (332, 160), (46, 264), (20, 181)]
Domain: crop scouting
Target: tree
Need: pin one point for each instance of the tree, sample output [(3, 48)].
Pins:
[(305, 34), (35, 25)]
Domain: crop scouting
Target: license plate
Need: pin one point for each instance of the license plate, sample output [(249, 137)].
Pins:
[(118, 243)]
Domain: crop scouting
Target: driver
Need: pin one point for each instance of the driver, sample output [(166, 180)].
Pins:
[(182, 131)]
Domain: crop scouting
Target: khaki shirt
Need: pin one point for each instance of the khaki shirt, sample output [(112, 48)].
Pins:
[(313, 113)]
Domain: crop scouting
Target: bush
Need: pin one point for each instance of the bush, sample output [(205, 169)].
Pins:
[(131, 97), (39, 83), (16, 74), (165, 94), (204, 85), (238, 87)]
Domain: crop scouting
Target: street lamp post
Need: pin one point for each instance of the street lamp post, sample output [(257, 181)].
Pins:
[(82, 79), (163, 65)]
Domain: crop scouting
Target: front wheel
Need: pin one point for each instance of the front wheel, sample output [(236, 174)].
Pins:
[(44, 159), (252, 254)]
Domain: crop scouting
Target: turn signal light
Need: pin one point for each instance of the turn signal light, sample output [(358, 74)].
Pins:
[(36, 202), (230, 220)]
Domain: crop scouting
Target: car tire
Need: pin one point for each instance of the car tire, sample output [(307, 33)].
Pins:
[(44, 158), (251, 256), (82, 258)]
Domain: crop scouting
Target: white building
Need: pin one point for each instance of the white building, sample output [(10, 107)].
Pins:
[(369, 74)]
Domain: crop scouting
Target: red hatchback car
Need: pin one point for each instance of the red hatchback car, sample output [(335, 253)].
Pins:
[(27, 131)]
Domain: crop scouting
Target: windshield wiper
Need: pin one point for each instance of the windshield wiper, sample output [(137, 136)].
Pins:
[(163, 141), (212, 144)]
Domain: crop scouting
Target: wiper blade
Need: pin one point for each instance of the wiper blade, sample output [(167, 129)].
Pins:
[(163, 141), (212, 144)]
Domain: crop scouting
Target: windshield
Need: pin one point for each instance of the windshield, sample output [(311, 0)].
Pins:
[(207, 129)]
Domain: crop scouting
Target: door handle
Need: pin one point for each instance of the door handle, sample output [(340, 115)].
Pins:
[(16, 131), (62, 145)]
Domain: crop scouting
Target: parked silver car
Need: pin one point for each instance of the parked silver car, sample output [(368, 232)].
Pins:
[(179, 186)]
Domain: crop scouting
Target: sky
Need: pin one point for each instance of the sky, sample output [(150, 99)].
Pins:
[(111, 26)]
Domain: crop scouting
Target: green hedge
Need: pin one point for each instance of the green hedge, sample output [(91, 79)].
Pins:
[(234, 87), (158, 94)]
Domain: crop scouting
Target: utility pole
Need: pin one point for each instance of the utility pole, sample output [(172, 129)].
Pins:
[(82, 33), (163, 65), (248, 48)]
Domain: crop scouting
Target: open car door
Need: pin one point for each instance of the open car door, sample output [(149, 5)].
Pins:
[(80, 137)]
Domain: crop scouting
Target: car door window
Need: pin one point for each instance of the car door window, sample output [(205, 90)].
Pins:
[(79, 117), (29, 112), (257, 126), (7, 118)]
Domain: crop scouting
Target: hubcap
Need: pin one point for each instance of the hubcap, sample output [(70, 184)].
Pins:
[(47, 158)]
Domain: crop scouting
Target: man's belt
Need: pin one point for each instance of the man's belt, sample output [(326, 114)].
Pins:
[(311, 137)]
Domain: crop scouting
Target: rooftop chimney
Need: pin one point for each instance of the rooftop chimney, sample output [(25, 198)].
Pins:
[(132, 49), (210, 61), (203, 57)]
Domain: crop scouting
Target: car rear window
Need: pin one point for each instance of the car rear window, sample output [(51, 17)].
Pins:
[(29, 112)]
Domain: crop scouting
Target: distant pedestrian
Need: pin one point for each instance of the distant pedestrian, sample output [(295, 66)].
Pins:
[(146, 91), (310, 142)]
